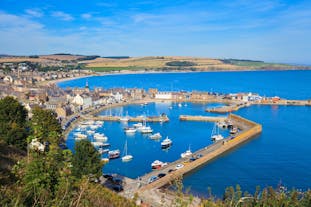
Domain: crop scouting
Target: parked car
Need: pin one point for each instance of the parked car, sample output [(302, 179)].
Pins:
[(161, 175), (117, 188), (152, 179), (179, 166)]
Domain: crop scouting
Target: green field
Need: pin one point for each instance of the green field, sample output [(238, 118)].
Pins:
[(109, 69)]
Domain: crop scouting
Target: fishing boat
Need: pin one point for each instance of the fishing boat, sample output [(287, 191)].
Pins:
[(166, 143), (129, 130), (157, 164), (126, 157), (216, 136), (188, 153), (155, 136), (113, 154)]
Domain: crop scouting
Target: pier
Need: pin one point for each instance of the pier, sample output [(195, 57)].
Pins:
[(202, 118), (248, 130)]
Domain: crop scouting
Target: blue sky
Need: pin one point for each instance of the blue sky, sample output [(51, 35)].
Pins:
[(275, 30)]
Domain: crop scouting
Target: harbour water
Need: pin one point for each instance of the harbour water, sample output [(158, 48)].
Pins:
[(280, 154), (286, 84)]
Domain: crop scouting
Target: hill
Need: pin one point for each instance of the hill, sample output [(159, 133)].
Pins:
[(181, 63), (159, 63)]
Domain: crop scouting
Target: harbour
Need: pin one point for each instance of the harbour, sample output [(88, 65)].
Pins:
[(201, 107)]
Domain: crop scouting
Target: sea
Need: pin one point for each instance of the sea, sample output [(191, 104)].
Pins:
[(280, 155)]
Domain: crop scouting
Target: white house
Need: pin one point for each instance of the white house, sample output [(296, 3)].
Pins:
[(82, 100), (117, 96), (163, 95)]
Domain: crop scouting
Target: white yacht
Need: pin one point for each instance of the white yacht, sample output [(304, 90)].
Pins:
[(155, 136), (166, 143), (146, 130), (129, 130)]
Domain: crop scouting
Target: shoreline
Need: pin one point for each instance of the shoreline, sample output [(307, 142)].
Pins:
[(129, 72)]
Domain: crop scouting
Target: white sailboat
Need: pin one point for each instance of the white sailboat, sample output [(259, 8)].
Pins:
[(126, 157), (216, 136)]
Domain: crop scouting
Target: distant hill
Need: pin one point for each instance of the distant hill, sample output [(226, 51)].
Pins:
[(162, 63)]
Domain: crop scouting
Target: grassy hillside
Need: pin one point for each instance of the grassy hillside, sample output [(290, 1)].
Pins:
[(179, 63)]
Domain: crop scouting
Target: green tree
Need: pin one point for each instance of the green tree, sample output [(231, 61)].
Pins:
[(45, 126), (13, 122), (86, 160)]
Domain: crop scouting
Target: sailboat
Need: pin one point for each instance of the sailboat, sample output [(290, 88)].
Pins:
[(126, 157), (215, 136)]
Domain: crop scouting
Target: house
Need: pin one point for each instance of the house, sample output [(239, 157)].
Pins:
[(63, 111), (83, 100), (117, 96), (163, 95)]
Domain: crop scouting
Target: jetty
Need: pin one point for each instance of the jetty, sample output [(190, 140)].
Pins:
[(202, 118), (227, 108), (248, 130)]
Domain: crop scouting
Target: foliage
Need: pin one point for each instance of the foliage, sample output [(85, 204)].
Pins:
[(13, 122), (86, 160), (181, 63), (90, 57), (45, 126)]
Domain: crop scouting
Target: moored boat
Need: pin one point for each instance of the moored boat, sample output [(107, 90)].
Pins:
[(113, 154), (102, 151), (129, 130), (146, 130), (166, 143), (157, 164), (216, 136), (188, 153), (126, 156), (155, 136), (100, 137)]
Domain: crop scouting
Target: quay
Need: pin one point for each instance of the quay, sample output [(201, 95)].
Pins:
[(248, 130), (227, 109), (202, 118)]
